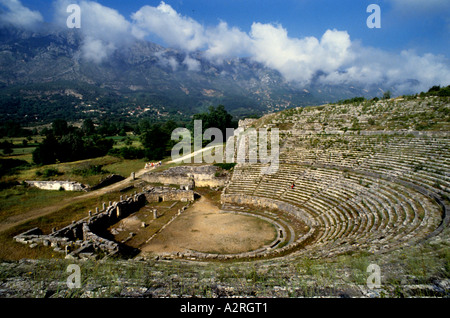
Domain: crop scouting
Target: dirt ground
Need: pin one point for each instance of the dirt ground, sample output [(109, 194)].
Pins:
[(204, 228)]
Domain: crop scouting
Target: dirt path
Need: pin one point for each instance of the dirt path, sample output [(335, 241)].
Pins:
[(33, 214), (181, 159)]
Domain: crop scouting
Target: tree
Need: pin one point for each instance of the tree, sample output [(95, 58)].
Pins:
[(45, 152), (444, 91), (71, 146), (107, 129), (13, 129), (88, 127), (216, 117), (387, 95), (155, 141), (435, 88), (6, 146), (59, 127)]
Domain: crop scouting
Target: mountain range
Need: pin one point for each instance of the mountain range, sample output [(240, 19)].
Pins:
[(43, 75)]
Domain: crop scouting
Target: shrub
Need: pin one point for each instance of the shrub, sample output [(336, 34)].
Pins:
[(90, 171), (225, 166), (128, 153), (445, 91), (10, 166), (50, 172)]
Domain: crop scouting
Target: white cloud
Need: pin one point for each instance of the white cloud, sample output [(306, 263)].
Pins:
[(406, 72), (104, 29), (223, 42), (299, 59), (18, 15), (429, 69), (167, 61), (192, 64), (184, 33), (96, 50), (175, 30), (334, 55)]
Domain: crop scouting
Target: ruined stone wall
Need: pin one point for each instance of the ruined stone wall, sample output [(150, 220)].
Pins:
[(169, 194), (246, 122), (203, 176), (57, 185), (82, 236)]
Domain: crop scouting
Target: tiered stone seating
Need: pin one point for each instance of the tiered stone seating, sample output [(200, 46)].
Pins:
[(351, 207), (362, 189), (245, 179)]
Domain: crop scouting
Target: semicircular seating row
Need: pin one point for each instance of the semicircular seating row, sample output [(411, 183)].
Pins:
[(352, 209)]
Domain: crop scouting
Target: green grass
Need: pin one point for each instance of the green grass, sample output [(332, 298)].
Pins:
[(125, 167), (22, 151), (20, 200), (73, 171), (26, 156)]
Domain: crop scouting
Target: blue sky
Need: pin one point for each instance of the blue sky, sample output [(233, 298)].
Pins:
[(425, 27), (296, 37)]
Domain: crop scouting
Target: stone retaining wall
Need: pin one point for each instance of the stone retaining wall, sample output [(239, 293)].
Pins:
[(202, 176), (159, 194), (266, 251), (58, 185), (269, 203)]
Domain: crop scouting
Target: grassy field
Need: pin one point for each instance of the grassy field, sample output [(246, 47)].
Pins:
[(20, 200), (79, 170), (126, 141)]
